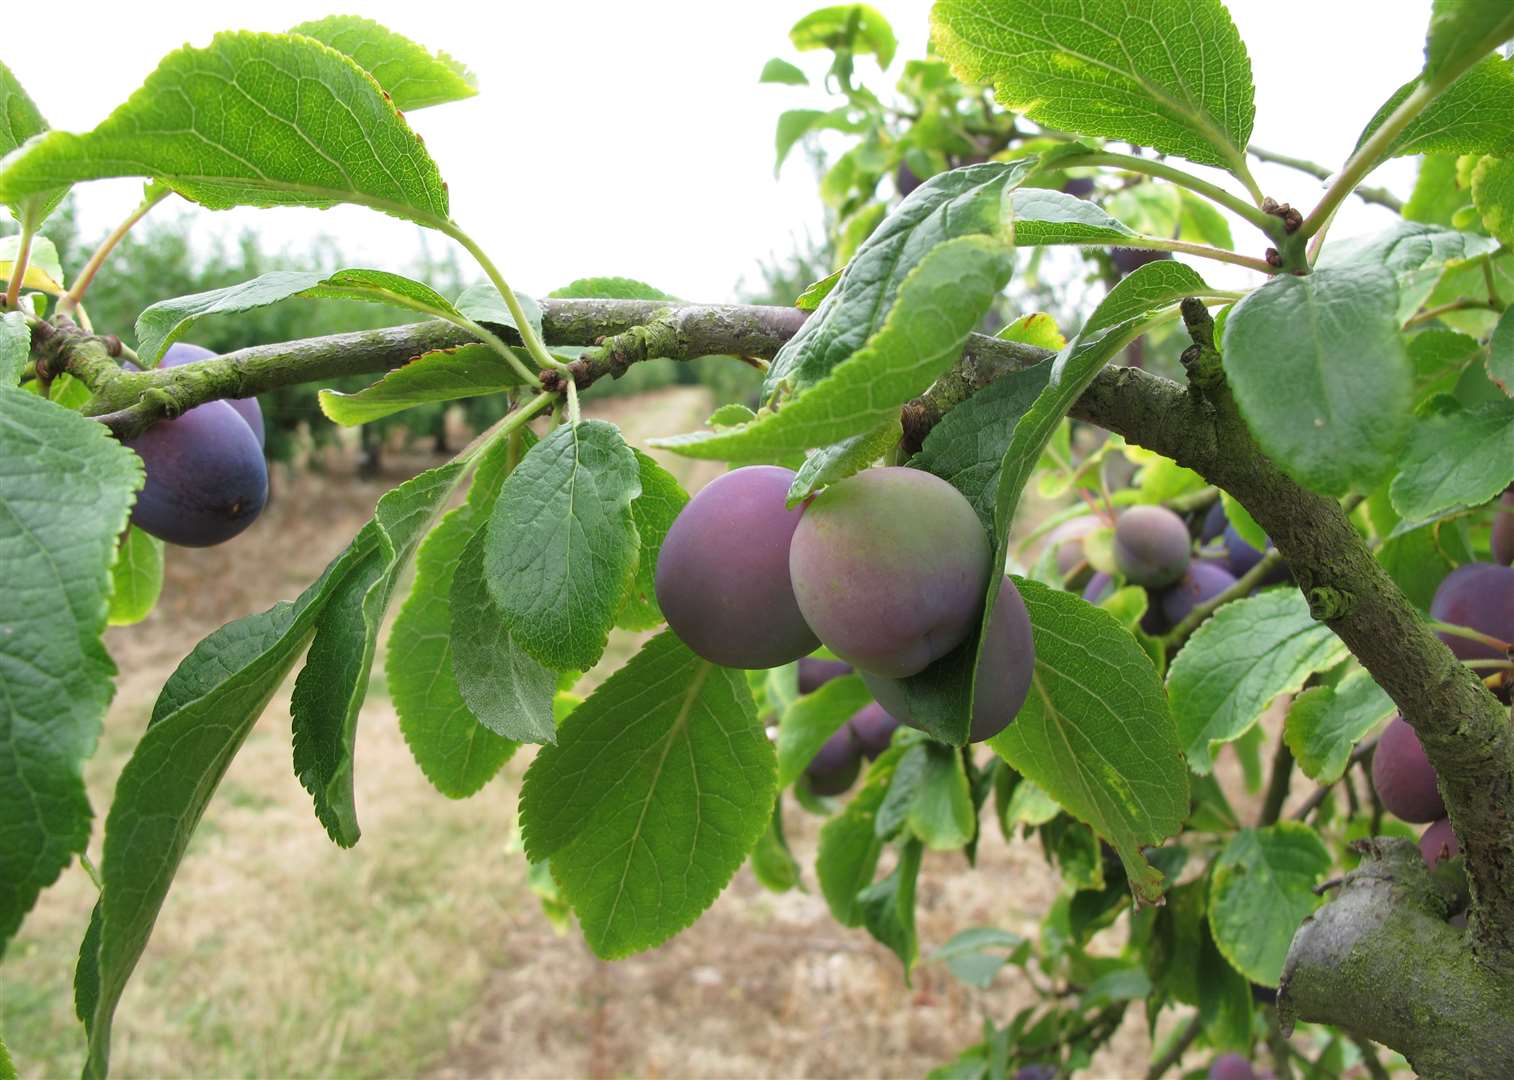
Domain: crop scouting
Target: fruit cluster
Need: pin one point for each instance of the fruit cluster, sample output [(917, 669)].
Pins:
[(1153, 547), (887, 569), (206, 476)]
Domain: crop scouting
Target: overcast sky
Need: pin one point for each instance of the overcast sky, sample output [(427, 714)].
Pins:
[(634, 139)]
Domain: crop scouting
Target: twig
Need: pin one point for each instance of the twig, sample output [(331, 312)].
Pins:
[(1277, 786), (1378, 195), (1176, 1051), (1362, 753)]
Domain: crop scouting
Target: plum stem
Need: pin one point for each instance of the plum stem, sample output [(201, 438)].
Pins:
[(18, 268), (1470, 634), (155, 194)]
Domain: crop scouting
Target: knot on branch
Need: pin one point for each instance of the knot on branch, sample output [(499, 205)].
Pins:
[(1201, 359), (1327, 603)]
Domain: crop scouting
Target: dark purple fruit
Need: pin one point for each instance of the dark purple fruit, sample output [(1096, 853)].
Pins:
[(206, 477), (1099, 588), (1215, 522), (1081, 186), (1036, 1072), (1009, 662), (815, 673), (1503, 529), (873, 726), (1242, 557), (1129, 260), (723, 572), (1151, 546), (889, 568), (1067, 541), (1200, 583), (1479, 596), (835, 766), (1403, 776), (181, 352), (1231, 1067), (1438, 843), (906, 180)]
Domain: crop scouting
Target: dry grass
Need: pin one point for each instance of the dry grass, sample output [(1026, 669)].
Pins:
[(422, 950)]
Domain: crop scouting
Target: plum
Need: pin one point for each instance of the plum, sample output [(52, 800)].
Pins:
[(181, 352), (1231, 1067), (1099, 588), (1036, 1072), (1479, 596), (723, 573), (206, 477), (1151, 546), (815, 673), (1200, 583), (1403, 776), (1067, 541), (835, 766), (1129, 260), (1215, 522), (873, 727), (1503, 529), (1081, 186), (889, 568), (1438, 843), (1009, 661)]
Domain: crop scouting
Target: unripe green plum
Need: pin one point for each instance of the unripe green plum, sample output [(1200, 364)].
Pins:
[(889, 568), (1151, 546), (723, 572), (1438, 843), (1403, 775), (835, 766), (1004, 675)]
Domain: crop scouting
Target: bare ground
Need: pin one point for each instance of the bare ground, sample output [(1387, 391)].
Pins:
[(422, 950)]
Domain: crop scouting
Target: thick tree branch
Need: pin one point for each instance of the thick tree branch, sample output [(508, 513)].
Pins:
[(1381, 961)]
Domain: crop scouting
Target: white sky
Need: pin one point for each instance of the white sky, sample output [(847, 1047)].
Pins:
[(634, 139)]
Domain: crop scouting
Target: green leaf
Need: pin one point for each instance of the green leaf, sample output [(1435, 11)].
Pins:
[(941, 814), (853, 27), (781, 71), (507, 690), (1500, 354), (1175, 77), (330, 689), (1318, 367), (7, 1066), (44, 272), (1326, 722), (202, 716), (1436, 197), (1262, 889), (805, 725), (966, 449), (561, 547), (1474, 116), (1456, 458), (66, 489), (941, 695), (455, 751), (1048, 216), (658, 787), (850, 844), (1416, 255), (136, 577), (1096, 733), (1038, 329), (440, 375), (15, 348), (773, 864), (1246, 654), (1030, 805), (20, 118), (168, 320), (840, 460), (412, 77), (609, 288), (793, 126), (888, 906), (483, 303), (250, 120), (653, 512), (1493, 195), (967, 953), (1240, 519), (817, 291), (1463, 30)]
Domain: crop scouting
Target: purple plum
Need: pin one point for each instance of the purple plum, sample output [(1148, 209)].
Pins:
[(873, 727), (1200, 583), (835, 766), (1438, 843), (815, 673), (1403, 776), (1151, 546)]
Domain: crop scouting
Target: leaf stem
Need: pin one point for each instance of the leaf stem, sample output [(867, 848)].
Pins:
[(156, 193), (23, 257), (572, 402), (1463, 304), (1470, 634), (528, 335), (1268, 223), (1203, 251), (1380, 196)]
